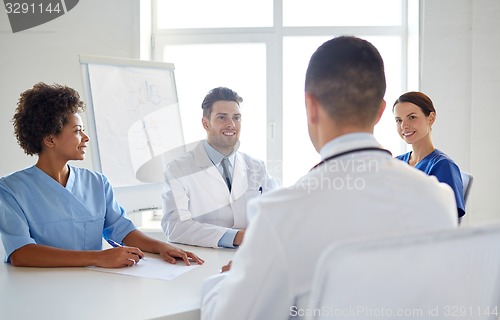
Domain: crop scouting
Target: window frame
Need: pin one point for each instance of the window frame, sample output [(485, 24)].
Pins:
[(272, 37)]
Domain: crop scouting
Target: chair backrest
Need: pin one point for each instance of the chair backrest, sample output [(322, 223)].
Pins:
[(418, 276), (467, 179)]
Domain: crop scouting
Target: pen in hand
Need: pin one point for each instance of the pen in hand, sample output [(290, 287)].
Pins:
[(116, 244)]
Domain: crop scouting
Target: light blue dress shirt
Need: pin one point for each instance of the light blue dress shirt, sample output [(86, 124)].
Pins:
[(216, 157)]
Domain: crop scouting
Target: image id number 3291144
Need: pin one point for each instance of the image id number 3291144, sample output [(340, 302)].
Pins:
[(26, 8), (467, 312)]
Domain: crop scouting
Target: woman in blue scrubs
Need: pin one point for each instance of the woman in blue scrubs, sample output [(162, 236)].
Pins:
[(53, 214), (415, 114)]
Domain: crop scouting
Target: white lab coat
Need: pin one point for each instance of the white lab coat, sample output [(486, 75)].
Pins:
[(197, 205), (272, 271)]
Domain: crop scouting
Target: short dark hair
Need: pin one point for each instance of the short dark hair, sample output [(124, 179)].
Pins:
[(218, 94), (41, 111), (419, 99), (346, 75)]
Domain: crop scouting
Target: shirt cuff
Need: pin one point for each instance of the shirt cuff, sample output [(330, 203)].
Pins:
[(227, 238)]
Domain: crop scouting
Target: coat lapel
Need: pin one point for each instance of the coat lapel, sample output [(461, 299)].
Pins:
[(204, 163), (240, 181)]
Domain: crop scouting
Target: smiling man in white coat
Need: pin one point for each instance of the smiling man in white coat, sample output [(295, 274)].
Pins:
[(358, 189), (207, 189)]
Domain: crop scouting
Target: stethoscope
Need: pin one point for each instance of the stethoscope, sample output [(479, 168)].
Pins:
[(351, 151)]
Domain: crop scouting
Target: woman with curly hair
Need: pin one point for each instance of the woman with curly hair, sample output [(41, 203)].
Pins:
[(53, 214)]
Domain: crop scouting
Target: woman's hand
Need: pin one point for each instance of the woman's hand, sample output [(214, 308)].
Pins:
[(119, 257), (169, 253)]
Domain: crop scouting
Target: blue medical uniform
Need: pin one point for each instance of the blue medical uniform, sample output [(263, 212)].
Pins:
[(34, 208), (438, 164)]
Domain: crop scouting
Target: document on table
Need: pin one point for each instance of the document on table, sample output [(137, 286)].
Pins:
[(151, 267)]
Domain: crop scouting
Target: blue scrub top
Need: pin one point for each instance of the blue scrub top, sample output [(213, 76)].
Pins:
[(34, 208), (438, 164)]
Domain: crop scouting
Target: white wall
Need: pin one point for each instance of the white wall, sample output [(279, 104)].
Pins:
[(485, 88), (49, 53), (460, 71)]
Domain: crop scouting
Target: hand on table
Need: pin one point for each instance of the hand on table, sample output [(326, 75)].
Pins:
[(169, 253)]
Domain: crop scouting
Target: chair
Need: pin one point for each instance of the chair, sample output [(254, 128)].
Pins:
[(433, 275), (467, 180)]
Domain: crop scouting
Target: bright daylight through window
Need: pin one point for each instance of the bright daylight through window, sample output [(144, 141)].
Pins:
[(261, 50)]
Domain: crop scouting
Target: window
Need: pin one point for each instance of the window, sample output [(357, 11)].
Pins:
[(192, 14), (261, 50)]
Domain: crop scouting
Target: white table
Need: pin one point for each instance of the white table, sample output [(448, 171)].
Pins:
[(80, 293)]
